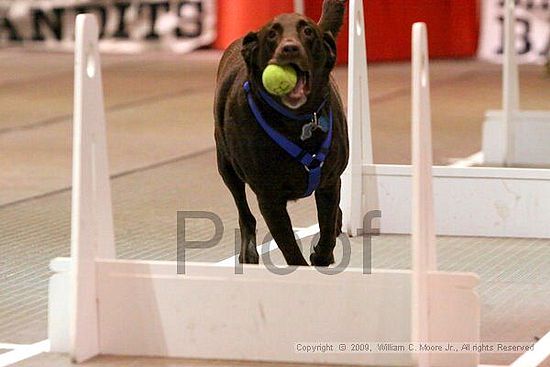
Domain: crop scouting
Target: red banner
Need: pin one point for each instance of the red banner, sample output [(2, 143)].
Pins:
[(453, 25)]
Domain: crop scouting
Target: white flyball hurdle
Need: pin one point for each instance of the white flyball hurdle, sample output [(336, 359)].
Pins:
[(514, 137), (469, 201), (144, 308), (506, 202)]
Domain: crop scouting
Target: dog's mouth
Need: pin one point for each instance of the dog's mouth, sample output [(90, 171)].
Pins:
[(297, 97)]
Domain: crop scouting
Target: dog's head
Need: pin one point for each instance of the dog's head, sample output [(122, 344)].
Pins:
[(293, 39)]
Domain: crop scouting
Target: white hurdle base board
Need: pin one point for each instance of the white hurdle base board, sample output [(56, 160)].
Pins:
[(532, 137), (146, 309), (470, 201)]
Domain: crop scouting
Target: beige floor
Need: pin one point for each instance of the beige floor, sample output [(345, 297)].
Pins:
[(58, 360), (159, 108), (159, 111)]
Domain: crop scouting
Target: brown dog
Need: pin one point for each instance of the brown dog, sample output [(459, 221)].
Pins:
[(254, 130)]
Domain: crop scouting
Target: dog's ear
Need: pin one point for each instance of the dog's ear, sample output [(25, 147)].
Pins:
[(332, 17), (250, 48), (330, 46)]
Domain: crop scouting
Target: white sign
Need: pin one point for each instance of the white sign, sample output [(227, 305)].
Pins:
[(532, 30), (126, 26)]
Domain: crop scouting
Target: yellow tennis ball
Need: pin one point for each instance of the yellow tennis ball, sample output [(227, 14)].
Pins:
[(279, 80)]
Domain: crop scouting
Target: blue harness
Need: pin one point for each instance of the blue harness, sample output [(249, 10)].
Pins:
[(313, 163)]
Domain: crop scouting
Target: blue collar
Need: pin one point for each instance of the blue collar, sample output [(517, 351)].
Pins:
[(312, 163)]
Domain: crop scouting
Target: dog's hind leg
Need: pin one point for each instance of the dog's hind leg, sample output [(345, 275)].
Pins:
[(339, 222), (247, 222), (278, 222), (330, 224)]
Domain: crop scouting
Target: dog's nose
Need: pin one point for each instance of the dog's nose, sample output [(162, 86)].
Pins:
[(290, 49)]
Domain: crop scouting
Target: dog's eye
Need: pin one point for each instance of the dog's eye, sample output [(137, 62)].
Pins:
[(308, 31), (272, 34)]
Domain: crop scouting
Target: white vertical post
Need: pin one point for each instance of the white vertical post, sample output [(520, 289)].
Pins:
[(92, 233), (510, 81), (299, 6), (359, 126), (423, 226)]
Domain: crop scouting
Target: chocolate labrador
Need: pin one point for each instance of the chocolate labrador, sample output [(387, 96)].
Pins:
[(284, 147)]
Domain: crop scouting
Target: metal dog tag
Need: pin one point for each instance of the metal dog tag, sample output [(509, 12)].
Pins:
[(308, 129)]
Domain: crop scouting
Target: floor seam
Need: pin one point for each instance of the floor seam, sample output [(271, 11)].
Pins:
[(115, 176)]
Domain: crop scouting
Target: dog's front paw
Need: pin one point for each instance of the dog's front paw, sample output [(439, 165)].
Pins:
[(318, 259), (249, 258)]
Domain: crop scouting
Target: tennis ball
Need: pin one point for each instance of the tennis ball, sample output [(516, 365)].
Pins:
[(279, 80)]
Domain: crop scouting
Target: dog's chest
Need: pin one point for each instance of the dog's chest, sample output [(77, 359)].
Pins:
[(307, 134)]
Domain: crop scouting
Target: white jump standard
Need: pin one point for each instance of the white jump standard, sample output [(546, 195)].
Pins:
[(469, 201), (512, 136)]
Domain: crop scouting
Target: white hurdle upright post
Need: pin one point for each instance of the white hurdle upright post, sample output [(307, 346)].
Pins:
[(299, 6), (92, 233), (423, 225), (510, 82), (359, 126)]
